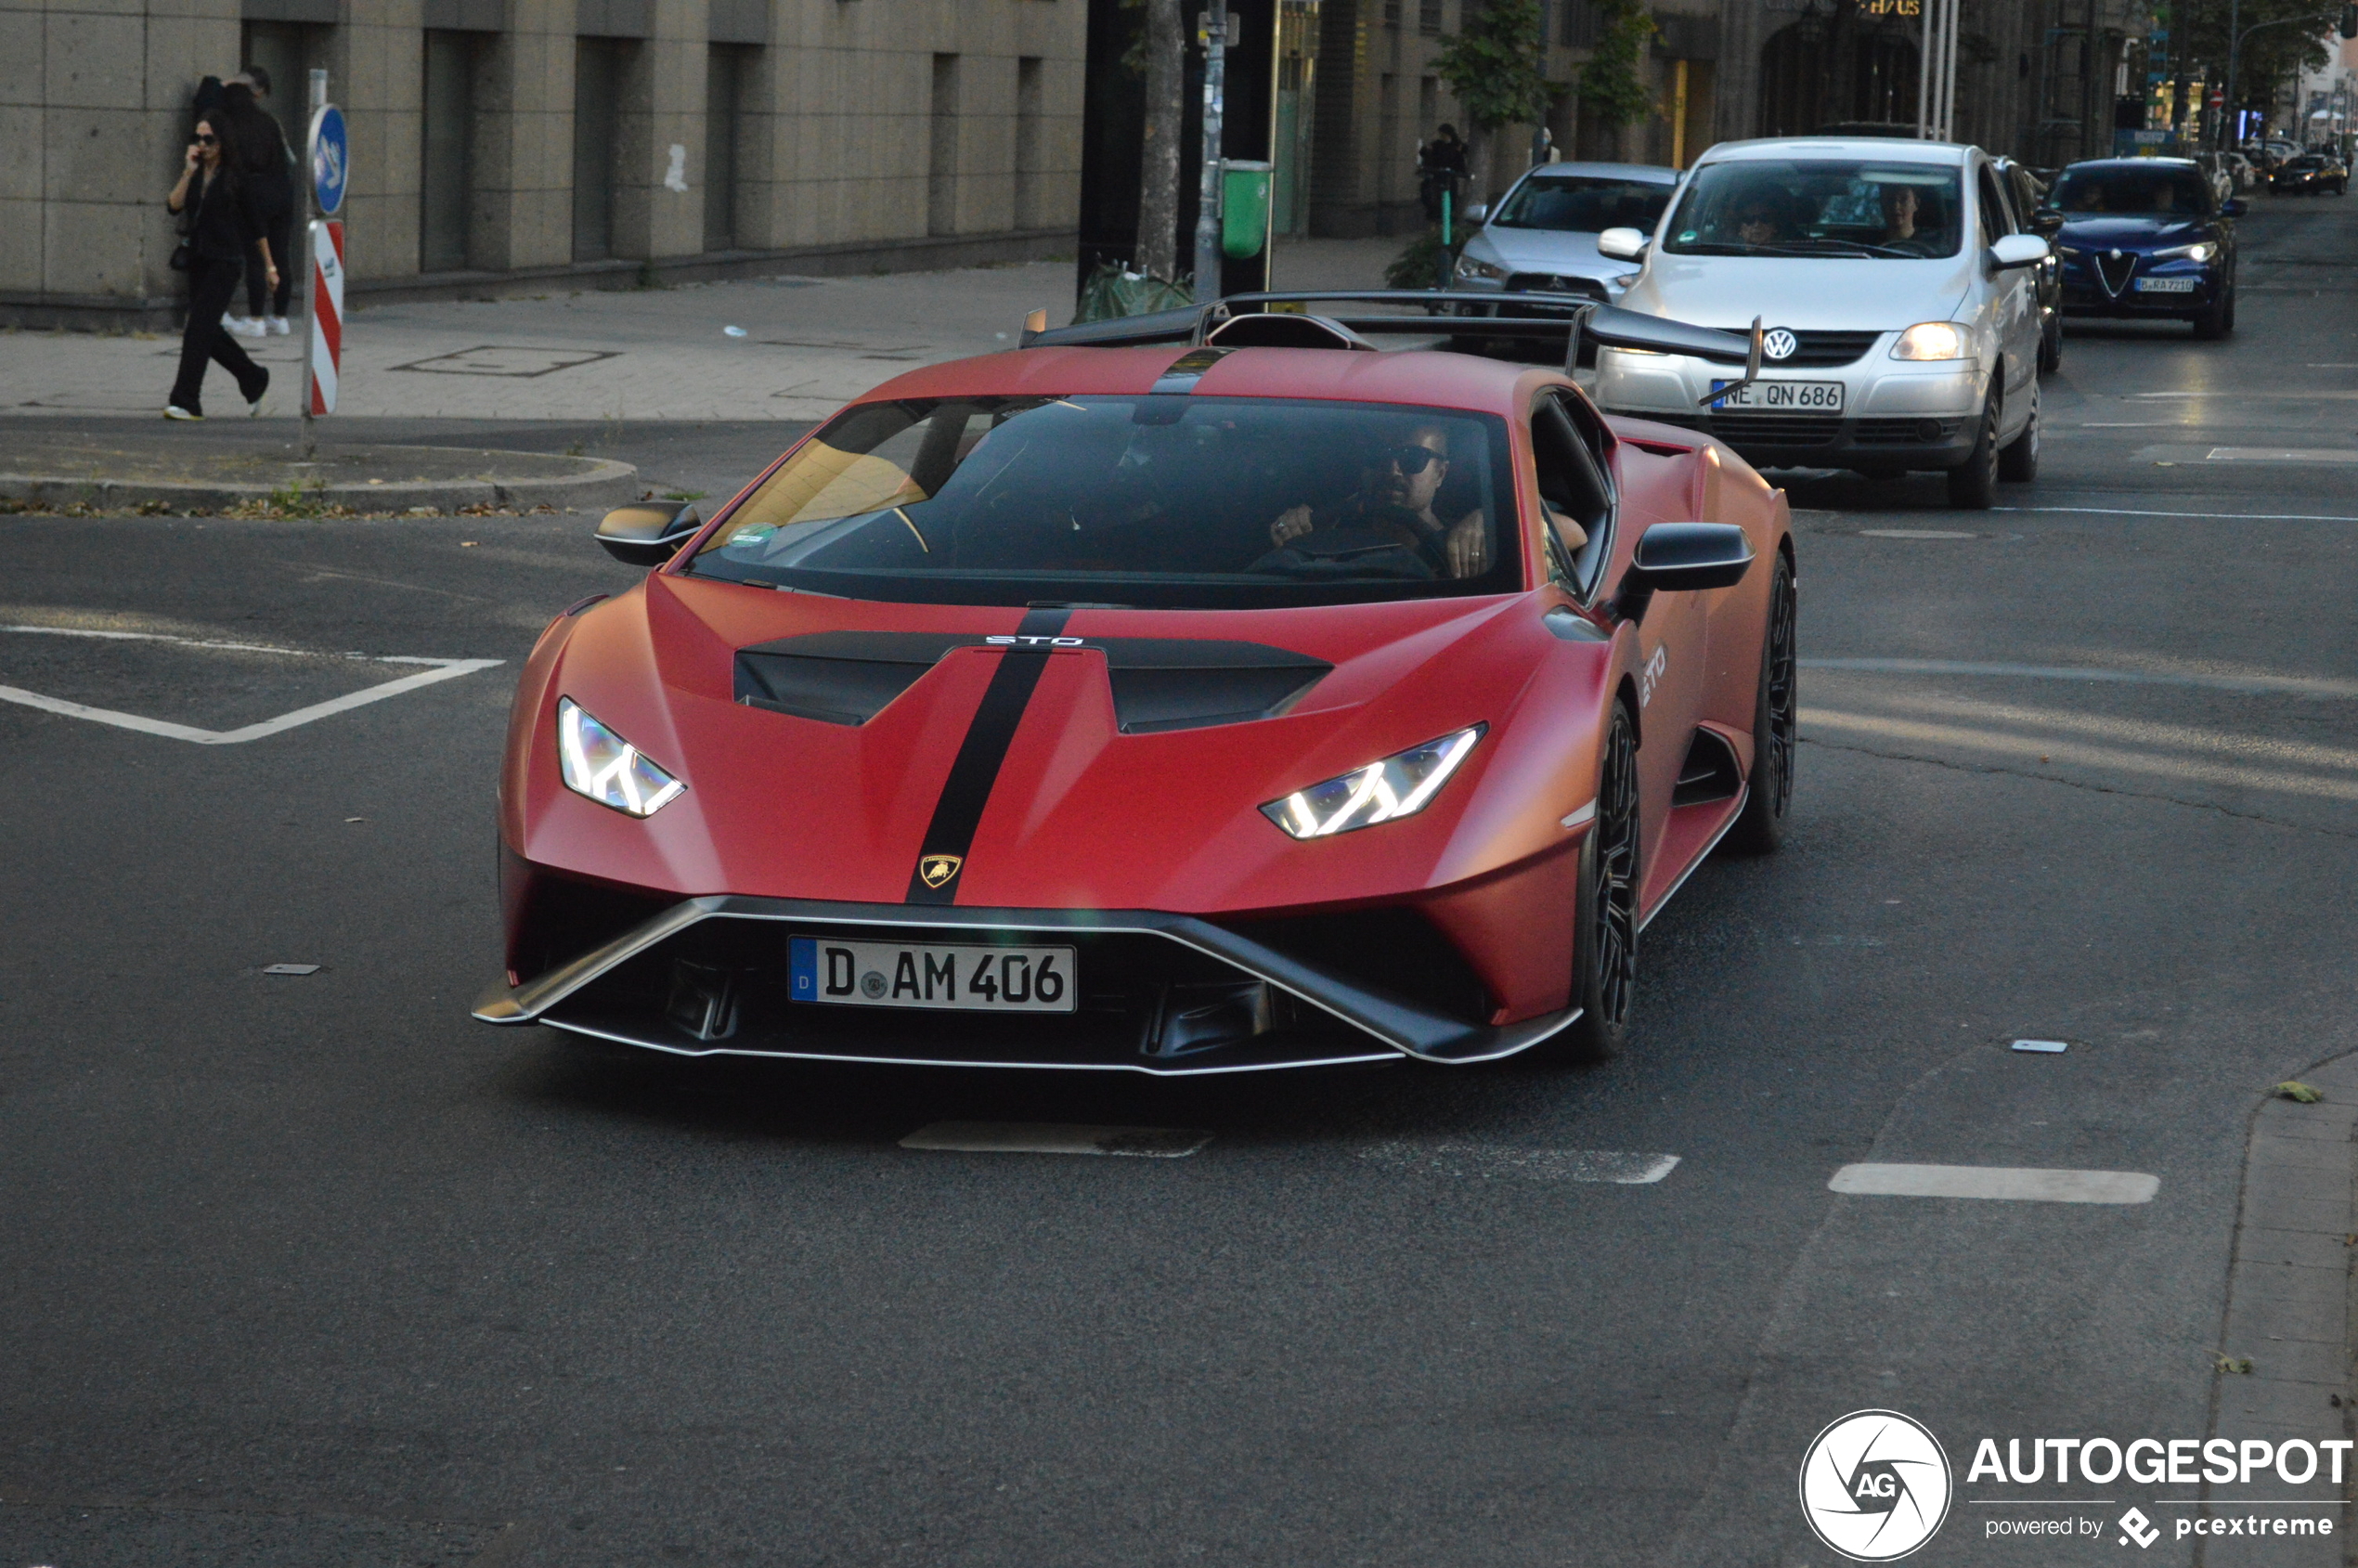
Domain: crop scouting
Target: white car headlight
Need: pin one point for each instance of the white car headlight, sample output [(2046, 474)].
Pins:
[(602, 765), (2202, 250), (1932, 340), (1475, 267), (1400, 785)]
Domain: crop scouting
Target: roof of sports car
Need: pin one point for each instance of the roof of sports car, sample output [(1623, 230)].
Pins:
[(1431, 379)]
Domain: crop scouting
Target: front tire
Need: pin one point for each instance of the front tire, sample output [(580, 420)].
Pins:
[(1776, 726), (2217, 321), (2051, 347), (2018, 459), (1604, 938), (1973, 485)]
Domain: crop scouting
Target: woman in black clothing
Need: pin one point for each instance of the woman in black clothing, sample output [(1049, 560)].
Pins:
[(263, 165), (224, 227)]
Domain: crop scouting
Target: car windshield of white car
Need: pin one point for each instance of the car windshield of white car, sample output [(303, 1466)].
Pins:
[(1819, 207), (1164, 502), (1584, 204), (2147, 192)]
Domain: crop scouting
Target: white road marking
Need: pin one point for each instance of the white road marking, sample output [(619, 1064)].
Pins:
[(2044, 1047), (1914, 534), (290, 968), (438, 670), (2281, 454), (2011, 1182), (1538, 1164), (2273, 685), (1057, 1137), (2198, 516)]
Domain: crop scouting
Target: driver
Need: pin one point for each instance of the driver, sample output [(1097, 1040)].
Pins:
[(1899, 205), (1394, 502)]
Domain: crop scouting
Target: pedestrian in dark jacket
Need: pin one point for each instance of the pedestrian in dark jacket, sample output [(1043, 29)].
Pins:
[(265, 165), (223, 228), (1441, 164)]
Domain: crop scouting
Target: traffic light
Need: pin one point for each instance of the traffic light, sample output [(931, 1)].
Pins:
[(2350, 21)]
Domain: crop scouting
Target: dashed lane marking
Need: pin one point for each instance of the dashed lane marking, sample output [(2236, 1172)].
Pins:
[(2008, 1183), (438, 670), (2270, 685), (2196, 516), (1056, 1137), (1535, 1164)]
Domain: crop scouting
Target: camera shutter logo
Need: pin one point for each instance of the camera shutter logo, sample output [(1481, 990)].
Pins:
[(1876, 1485), (1777, 343)]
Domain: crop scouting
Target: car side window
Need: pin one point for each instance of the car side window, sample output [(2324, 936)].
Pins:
[(1573, 488), (1993, 209)]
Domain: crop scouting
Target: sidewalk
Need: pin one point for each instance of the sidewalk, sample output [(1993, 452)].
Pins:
[(808, 346)]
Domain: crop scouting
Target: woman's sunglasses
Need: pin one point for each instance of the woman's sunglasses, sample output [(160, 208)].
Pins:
[(208, 141)]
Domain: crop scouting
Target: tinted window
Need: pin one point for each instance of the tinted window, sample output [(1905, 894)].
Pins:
[(1164, 502), (1584, 204), (1819, 208), (2182, 192)]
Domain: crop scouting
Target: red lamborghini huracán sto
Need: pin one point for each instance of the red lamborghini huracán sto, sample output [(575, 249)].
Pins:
[(1190, 694)]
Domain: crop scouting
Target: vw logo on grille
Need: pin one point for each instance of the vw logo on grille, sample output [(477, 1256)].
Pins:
[(1777, 343)]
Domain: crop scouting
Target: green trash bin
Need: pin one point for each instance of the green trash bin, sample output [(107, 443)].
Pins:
[(1244, 207)]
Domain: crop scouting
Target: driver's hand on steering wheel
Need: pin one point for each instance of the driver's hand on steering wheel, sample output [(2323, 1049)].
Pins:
[(1468, 547), (1292, 524)]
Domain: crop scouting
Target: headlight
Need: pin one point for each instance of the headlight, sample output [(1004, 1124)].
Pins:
[(1400, 785), (1932, 340), (2201, 252), (602, 765), (1473, 266)]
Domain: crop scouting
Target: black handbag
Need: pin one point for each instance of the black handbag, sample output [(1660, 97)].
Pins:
[(181, 256)]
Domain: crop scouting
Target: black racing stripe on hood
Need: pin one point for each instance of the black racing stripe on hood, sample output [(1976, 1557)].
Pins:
[(976, 768)]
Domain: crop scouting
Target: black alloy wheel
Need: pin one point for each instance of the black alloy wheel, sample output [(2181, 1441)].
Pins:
[(1973, 485), (1776, 726), (1604, 938)]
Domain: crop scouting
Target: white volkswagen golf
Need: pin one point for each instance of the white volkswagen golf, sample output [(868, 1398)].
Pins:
[(1898, 299)]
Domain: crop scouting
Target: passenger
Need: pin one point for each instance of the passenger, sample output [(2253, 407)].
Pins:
[(1393, 507)]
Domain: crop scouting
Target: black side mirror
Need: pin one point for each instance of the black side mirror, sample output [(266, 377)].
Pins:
[(647, 535), (2232, 208), (2046, 223), (1682, 558)]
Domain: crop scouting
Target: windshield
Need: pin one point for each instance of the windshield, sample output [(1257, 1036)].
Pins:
[(1819, 207), (1584, 204), (2176, 191), (1171, 502)]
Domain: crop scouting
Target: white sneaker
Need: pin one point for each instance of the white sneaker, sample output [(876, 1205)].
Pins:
[(244, 326), (175, 411), (279, 326)]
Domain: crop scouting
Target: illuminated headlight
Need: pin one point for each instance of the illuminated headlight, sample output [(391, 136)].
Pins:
[(1932, 340), (1400, 785), (607, 768), (2197, 252), (1473, 266)]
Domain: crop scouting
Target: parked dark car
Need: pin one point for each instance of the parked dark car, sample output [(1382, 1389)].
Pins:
[(2027, 193), (2311, 174), (2147, 238)]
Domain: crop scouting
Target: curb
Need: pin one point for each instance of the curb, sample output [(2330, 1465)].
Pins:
[(600, 483), (2290, 1285)]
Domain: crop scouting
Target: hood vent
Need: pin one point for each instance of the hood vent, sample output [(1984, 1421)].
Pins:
[(1159, 683)]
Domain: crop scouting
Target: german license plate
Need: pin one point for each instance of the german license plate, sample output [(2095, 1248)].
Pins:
[(973, 980), (1800, 397), (2166, 285)]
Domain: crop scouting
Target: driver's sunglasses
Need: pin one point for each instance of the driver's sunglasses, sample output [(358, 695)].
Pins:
[(1412, 461), (208, 141)]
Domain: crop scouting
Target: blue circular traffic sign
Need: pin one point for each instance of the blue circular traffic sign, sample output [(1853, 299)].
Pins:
[(330, 159)]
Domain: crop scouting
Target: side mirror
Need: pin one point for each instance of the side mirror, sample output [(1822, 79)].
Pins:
[(2046, 223), (1477, 212), (2233, 207), (2017, 249), (1682, 558), (647, 535), (1622, 244)]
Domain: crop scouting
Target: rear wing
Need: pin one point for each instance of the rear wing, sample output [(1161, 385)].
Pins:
[(1353, 314)]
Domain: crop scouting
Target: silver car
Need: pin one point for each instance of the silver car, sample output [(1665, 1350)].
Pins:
[(1541, 237), (1901, 311)]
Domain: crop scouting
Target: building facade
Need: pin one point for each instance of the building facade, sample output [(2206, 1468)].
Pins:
[(502, 145)]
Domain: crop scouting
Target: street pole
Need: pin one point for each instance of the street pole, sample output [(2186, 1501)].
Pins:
[(1216, 70), (303, 244)]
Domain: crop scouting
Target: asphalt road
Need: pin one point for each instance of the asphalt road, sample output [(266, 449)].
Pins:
[(312, 1269)]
